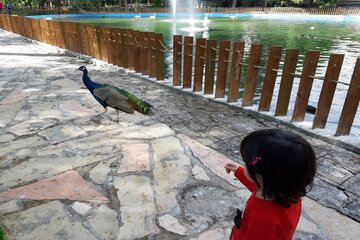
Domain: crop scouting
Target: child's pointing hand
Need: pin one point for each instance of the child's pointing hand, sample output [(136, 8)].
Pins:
[(231, 167)]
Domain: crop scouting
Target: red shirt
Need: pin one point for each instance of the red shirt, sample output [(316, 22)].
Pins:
[(263, 219)]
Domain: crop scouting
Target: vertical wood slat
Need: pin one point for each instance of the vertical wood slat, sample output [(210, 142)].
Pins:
[(130, 48), (235, 72), (150, 54), (102, 39), (85, 39), (252, 74), (65, 35), (95, 51), (188, 54), (223, 63), (210, 61), (287, 79), (303, 94), (328, 90), (199, 63), (272, 66), (79, 47), (351, 103), (28, 29), (159, 57), (124, 48), (52, 33), (145, 54), (70, 33), (111, 47), (43, 30), (115, 46), (137, 51), (152, 45), (177, 59)]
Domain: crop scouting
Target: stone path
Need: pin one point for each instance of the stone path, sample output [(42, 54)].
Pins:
[(70, 172)]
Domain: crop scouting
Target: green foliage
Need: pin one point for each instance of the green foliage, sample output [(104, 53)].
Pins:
[(2, 234), (87, 3), (158, 3)]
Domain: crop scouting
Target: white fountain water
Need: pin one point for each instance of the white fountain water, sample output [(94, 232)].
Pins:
[(183, 11)]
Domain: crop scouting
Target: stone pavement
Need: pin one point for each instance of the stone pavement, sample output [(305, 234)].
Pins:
[(70, 172)]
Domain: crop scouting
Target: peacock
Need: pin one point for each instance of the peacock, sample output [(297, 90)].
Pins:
[(111, 96)]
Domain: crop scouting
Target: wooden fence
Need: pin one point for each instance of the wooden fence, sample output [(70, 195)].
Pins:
[(253, 10), (205, 58), (143, 52), (135, 50)]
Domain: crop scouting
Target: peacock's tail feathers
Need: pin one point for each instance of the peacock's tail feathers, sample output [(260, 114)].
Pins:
[(143, 106), (139, 105)]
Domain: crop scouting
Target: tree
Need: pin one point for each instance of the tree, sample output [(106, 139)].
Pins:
[(234, 2)]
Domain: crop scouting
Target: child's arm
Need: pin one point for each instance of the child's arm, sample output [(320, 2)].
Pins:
[(239, 174)]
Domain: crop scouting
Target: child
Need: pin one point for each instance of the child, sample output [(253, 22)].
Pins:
[(278, 167)]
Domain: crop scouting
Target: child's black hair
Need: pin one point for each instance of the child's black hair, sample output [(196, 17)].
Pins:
[(285, 162)]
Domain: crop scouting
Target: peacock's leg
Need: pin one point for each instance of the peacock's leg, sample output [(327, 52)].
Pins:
[(105, 109), (118, 113)]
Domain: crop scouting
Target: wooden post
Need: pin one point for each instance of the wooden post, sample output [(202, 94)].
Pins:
[(124, 49), (137, 51), (287, 78), (235, 72), (199, 63), (85, 39), (351, 103), (152, 45), (188, 54), (102, 39), (28, 29), (145, 53), (306, 82), (130, 48), (252, 74), (159, 57), (44, 31), (210, 62), (177, 58), (115, 46), (328, 90), (270, 78), (112, 47), (222, 69)]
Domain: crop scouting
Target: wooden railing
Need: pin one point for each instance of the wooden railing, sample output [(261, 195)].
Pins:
[(205, 58), (143, 52), (253, 10)]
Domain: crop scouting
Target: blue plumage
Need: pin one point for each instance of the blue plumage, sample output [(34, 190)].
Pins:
[(108, 95)]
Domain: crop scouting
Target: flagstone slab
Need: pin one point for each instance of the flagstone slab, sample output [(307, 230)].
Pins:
[(172, 224), (137, 207), (135, 158), (38, 168), (171, 170), (105, 223), (212, 159), (46, 221), (99, 174), (31, 126), (147, 132), (75, 109), (69, 185), (61, 133), (334, 224), (14, 97)]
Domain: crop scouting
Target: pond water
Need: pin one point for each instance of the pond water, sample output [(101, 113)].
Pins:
[(327, 34)]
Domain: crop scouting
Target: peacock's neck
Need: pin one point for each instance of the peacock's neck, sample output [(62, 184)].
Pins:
[(88, 83)]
